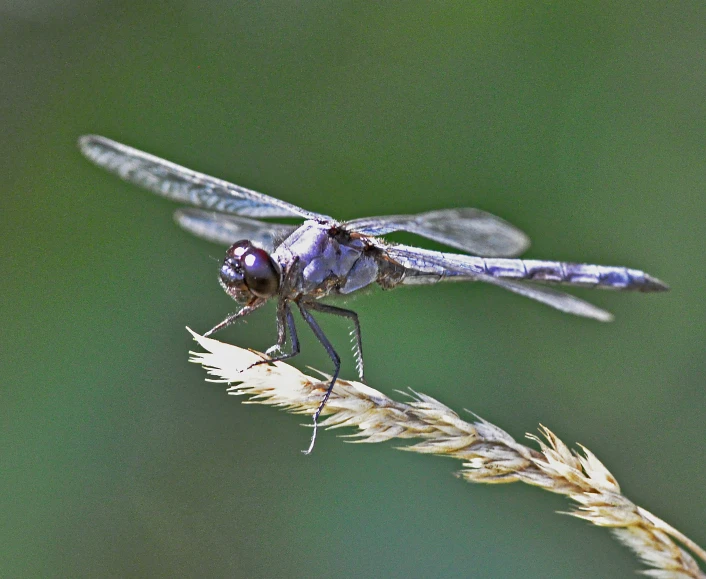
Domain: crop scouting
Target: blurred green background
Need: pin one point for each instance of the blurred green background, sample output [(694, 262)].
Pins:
[(582, 123)]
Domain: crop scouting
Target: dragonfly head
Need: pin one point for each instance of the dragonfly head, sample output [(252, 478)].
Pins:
[(248, 272)]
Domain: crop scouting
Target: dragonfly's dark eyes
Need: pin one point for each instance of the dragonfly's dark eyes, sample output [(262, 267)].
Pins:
[(261, 275), (247, 271)]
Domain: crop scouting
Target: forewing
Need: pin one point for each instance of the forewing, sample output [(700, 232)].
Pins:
[(470, 230), (227, 229), (452, 267), (184, 185)]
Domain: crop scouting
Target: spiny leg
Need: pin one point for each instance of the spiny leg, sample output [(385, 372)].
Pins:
[(281, 329), (318, 332), (250, 307), (284, 320), (351, 315)]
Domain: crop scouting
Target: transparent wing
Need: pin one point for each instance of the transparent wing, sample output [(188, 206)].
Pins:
[(470, 230), (181, 184), (227, 229), (435, 266), (558, 300)]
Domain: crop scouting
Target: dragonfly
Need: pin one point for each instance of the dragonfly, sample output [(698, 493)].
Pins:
[(298, 265)]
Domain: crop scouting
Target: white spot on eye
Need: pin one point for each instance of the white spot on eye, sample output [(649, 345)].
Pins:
[(240, 251), (250, 260)]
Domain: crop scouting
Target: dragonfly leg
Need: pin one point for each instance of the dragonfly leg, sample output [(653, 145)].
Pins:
[(353, 317), (284, 320), (278, 347), (318, 332), (250, 307)]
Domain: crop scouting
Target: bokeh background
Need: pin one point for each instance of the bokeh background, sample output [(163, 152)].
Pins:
[(582, 123)]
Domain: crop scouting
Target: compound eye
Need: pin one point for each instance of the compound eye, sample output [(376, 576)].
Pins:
[(261, 274), (232, 276), (237, 250)]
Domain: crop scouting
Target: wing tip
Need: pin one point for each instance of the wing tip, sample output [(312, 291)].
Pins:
[(87, 144), (603, 316), (180, 215), (523, 242)]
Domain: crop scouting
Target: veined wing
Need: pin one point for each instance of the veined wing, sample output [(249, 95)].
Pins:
[(425, 267), (559, 300), (470, 230), (181, 184), (227, 229)]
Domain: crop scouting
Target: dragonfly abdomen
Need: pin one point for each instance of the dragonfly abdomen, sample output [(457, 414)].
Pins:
[(576, 274)]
